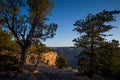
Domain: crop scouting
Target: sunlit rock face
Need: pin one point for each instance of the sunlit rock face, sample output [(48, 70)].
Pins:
[(31, 58), (49, 58)]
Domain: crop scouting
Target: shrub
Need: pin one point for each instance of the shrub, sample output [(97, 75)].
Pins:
[(61, 62), (8, 62)]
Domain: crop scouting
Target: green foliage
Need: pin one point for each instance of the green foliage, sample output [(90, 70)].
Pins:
[(40, 7), (33, 49), (98, 56), (105, 61), (109, 53), (6, 42), (8, 61), (92, 29), (61, 62), (38, 48), (42, 48)]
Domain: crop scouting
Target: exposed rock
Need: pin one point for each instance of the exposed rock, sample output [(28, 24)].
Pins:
[(49, 58), (97, 77), (24, 70), (31, 58), (36, 70), (70, 69), (66, 68), (74, 70)]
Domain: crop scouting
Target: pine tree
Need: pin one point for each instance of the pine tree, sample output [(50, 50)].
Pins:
[(92, 30)]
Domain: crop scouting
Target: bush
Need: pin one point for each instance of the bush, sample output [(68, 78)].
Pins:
[(61, 62), (8, 62)]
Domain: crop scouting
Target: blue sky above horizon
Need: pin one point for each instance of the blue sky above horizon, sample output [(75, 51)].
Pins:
[(66, 12)]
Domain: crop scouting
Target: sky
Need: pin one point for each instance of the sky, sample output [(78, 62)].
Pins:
[(66, 12)]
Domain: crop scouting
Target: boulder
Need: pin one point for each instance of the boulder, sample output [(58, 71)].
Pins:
[(68, 68), (36, 70), (24, 70), (74, 70)]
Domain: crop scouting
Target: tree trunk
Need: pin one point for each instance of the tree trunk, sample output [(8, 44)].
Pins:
[(22, 59)]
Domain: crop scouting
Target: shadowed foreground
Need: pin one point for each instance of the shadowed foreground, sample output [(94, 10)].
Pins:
[(42, 72)]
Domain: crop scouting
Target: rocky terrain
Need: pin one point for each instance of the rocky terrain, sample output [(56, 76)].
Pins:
[(44, 72)]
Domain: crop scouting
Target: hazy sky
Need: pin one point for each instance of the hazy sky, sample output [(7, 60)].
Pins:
[(66, 12)]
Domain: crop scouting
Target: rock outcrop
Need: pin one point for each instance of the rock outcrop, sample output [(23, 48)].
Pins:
[(49, 58), (31, 58)]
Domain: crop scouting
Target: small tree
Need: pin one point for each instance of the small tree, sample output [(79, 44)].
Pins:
[(28, 24), (61, 62)]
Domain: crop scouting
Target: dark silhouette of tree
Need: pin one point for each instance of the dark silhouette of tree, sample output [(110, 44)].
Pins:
[(26, 20), (92, 30)]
